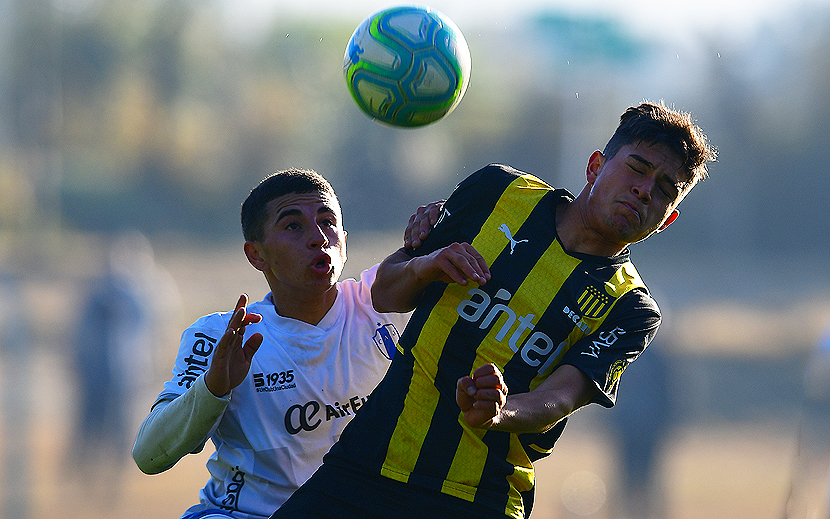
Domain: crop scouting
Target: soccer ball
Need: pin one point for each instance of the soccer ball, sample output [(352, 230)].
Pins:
[(407, 66)]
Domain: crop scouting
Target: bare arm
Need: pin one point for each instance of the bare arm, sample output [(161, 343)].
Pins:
[(484, 402), (402, 279)]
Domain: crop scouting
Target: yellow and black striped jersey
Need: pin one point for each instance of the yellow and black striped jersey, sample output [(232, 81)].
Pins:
[(543, 307)]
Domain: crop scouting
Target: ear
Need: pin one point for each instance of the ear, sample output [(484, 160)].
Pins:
[(672, 217), (254, 256), (594, 166)]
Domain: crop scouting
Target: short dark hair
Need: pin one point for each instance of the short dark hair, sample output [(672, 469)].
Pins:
[(655, 123), (293, 180)]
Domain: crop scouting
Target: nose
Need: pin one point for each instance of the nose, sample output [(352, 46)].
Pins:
[(317, 237), (643, 190)]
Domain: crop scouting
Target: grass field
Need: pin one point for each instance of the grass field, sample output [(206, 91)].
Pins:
[(735, 473)]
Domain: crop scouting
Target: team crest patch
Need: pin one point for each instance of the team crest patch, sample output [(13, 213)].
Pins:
[(386, 339), (593, 302)]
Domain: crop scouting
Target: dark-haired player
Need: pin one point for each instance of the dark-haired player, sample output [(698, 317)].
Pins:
[(527, 307), (273, 383)]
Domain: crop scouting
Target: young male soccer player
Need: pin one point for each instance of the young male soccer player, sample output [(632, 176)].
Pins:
[(518, 287), (320, 350)]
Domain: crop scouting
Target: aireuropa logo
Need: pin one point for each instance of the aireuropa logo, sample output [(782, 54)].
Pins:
[(309, 416)]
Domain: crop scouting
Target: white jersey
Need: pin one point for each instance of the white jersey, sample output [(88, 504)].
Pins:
[(304, 385)]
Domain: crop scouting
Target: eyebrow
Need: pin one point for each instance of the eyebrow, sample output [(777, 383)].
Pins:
[(641, 160), (296, 212)]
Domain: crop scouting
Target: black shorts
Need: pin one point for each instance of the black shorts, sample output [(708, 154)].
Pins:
[(337, 493)]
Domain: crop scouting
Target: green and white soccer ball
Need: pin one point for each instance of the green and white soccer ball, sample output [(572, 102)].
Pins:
[(407, 66)]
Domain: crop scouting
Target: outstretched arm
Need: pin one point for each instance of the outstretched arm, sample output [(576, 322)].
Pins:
[(401, 279), (484, 402)]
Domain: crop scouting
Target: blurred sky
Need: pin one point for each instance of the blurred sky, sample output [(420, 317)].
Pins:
[(673, 19)]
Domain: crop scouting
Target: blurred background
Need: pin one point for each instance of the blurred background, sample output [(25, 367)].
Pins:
[(131, 131)]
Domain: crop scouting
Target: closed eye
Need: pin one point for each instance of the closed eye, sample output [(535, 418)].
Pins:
[(668, 189)]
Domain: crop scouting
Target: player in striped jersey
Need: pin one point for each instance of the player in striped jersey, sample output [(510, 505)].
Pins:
[(527, 307)]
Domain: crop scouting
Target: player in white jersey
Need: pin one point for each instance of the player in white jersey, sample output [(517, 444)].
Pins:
[(320, 350)]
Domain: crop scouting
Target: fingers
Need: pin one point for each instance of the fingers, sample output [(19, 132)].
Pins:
[(421, 223), (232, 338), (461, 262), (252, 345), (482, 396), (488, 370), (466, 385), (487, 386), (433, 211), (486, 383), (241, 317), (238, 312), (409, 234)]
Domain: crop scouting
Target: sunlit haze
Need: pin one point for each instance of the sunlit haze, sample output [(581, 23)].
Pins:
[(674, 19)]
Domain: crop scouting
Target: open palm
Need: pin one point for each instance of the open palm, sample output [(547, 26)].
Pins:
[(232, 359)]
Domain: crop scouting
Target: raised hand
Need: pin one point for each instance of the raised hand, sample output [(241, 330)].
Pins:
[(232, 359)]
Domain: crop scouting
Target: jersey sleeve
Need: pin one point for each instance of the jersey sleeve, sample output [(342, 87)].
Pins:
[(196, 348), (604, 354), (176, 428)]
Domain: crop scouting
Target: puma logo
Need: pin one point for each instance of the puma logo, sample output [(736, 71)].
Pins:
[(506, 230)]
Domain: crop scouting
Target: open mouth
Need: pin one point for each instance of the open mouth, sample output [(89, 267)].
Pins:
[(322, 264)]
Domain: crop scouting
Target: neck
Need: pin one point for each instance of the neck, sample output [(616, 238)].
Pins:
[(310, 309), (577, 235)]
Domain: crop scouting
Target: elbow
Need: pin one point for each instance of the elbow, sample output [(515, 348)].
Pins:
[(383, 302), (144, 463), (386, 307), (379, 303), (148, 462)]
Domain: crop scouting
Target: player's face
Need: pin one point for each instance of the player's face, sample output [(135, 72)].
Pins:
[(636, 192), (304, 246)]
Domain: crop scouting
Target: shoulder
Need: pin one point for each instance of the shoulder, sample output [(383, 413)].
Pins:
[(358, 290), (627, 285), (497, 173), (265, 306), (636, 310), (486, 187), (214, 321)]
